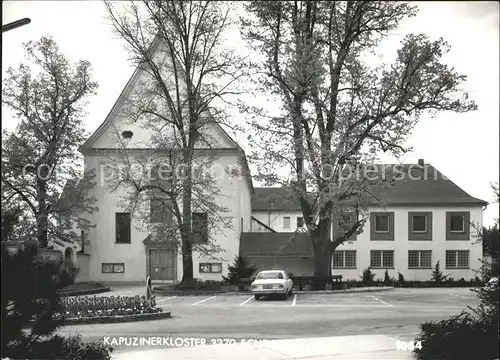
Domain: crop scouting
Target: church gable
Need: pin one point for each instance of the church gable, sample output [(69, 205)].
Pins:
[(122, 127)]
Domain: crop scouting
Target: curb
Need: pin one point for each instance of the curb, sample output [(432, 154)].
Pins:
[(212, 293), (342, 291), (84, 292), (116, 319), (195, 293)]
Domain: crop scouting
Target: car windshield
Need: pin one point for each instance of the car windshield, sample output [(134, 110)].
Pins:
[(270, 275)]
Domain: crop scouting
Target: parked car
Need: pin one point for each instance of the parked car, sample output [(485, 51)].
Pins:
[(272, 283)]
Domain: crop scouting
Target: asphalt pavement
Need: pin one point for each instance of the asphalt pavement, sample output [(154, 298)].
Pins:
[(236, 324)]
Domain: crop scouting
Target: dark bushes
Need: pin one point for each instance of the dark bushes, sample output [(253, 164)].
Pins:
[(368, 277), (472, 335), (200, 285), (30, 301), (239, 270), (58, 347), (448, 283)]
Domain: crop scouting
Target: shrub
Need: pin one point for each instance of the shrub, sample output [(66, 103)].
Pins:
[(30, 304), (368, 277), (458, 338), (488, 309), (447, 283), (387, 279), (401, 279), (198, 284), (74, 348), (58, 347), (437, 275), (239, 270), (471, 335), (487, 270)]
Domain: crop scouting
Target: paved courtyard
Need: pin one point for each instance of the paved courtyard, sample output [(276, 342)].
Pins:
[(395, 314)]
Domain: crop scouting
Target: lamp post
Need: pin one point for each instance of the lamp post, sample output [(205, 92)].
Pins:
[(15, 24)]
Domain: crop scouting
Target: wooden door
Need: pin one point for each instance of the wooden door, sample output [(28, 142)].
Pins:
[(161, 264)]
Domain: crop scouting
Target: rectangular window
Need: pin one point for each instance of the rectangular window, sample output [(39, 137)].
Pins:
[(286, 222), (210, 267), (413, 259), (451, 259), (382, 259), (463, 259), (200, 228), (123, 225), (457, 259), (426, 259), (387, 259), (382, 226), (113, 267), (376, 259), (338, 259), (161, 176), (419, 223), (344, 224), (419, 259), (300, 221), (350, 258), (457, 223), (344, 259), (382, 223), (159, 212)]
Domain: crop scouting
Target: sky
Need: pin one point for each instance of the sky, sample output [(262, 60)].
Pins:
[(464, 147)]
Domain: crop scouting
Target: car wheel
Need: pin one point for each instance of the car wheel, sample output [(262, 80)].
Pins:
[(257, 297), (285, 296)]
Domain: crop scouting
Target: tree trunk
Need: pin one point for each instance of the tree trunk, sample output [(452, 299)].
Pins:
[(322, 252), (187, 261), (321, 261), (187, 234), (42, 216)]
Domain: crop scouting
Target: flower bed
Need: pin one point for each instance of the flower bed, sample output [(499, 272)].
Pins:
[(98, 306)]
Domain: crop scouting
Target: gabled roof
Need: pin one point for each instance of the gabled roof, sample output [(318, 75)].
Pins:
[(424, 186), (419, 185), (88, 145), (123, 96), (275, 244)]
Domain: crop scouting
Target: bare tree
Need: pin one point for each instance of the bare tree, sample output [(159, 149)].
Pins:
[(48, 99), (188, 74), (338, 107)]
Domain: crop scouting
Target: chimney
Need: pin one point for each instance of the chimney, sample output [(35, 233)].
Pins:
[(421, 162)]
